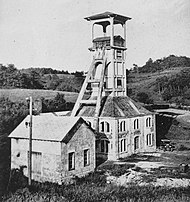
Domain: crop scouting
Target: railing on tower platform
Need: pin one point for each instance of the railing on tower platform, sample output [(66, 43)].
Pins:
[(100, 42)]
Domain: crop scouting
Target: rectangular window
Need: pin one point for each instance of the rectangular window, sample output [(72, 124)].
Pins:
[(150, 139), (119, 54), (153, 139), (72, 161), (120, 71), (147, 140), (136, 143), (121, 146), (119, 83), (86, 157), (124, 144)]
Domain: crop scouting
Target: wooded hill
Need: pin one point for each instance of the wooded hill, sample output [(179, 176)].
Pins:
[(164, 80), (162, 64), (40, 78)]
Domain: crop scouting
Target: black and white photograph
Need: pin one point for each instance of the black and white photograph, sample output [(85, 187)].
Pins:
[(95, 100)]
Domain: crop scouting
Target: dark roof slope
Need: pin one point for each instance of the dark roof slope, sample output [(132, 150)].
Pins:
[(121, 106)]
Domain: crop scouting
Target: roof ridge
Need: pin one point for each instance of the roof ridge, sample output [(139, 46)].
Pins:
[(119, 109), (133, 106)]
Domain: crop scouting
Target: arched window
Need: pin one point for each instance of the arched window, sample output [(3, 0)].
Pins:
[(136, 142), (107, 127), (150, 139), (136, 124), (104, 127), (123, 146), (122, 126), (148, 122)]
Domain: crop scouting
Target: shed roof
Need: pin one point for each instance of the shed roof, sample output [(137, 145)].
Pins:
[(107, 15), (121, 106), (47, 127)]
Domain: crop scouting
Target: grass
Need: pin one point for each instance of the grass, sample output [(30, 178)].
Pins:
[(94, 187), (91, 191), (114, 169), (22, 94)]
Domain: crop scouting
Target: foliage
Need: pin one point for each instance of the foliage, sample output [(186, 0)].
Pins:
[(10, 77), (175, 88), (58, 103), (40, 78), (165, 63), (183, 148), (17, 180), (97, 177), (42, 71), (115, 169), (11, 114), (144, 98)]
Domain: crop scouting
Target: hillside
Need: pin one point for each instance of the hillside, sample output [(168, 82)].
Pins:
[(170, 85), (161, 81), (20, 95), (172, 61), (40, 78)]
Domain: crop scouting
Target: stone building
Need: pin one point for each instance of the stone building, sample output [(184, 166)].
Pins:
[(62, 147), (128, 128), (108, 125)]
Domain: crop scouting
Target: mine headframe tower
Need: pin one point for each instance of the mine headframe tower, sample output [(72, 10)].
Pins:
[(107, 72)]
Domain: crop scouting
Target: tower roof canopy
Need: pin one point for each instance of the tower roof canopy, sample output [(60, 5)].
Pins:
[(107, 14)]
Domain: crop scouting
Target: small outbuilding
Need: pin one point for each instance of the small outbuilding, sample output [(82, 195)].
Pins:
[(62, 147)]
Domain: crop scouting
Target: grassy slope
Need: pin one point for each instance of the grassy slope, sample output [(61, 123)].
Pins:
[(22, 94)]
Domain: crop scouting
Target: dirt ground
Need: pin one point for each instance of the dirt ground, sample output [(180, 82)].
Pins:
[(157, 169)]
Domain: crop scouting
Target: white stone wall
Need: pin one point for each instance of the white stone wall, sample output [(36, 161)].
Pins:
[(51, 156), (115, 135), (83, 139)]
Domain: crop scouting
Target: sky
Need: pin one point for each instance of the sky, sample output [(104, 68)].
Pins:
[(46, 33)]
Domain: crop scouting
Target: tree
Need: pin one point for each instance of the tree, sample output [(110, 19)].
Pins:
[(144, 98), (58, 103), (35, 80)]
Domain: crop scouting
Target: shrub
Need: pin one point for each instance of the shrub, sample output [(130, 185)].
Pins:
[(97, 178), (183, 148), (115, 169), (17, 180)]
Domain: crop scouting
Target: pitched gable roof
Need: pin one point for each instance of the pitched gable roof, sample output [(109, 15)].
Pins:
[(121, 106), (48, 128)]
